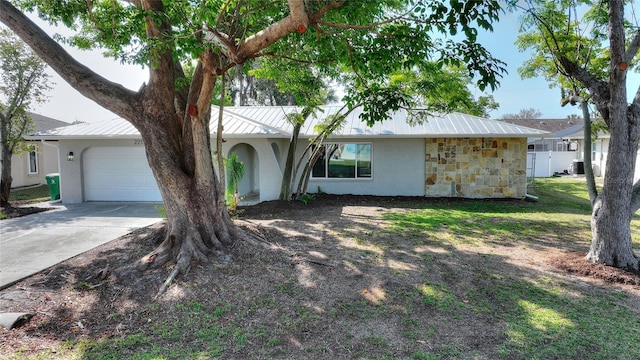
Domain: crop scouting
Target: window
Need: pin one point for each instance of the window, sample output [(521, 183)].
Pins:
[(33, 162), (343, 161)]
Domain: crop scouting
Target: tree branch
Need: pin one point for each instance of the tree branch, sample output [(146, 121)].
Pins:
[(161, 69), (107, 94), (315, 19), (633, 49), (218, 39), (598, 89), (325, 9), (297, 20)]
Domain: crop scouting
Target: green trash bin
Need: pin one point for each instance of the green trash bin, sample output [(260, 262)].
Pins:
[(53, 180)]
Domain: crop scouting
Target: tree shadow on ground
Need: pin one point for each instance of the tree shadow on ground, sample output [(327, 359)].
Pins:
[(336, 281)]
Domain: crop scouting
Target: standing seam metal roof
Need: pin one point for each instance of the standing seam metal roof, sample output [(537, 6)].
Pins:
[(270, 121)]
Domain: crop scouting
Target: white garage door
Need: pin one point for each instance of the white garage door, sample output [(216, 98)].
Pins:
[(118, 174)]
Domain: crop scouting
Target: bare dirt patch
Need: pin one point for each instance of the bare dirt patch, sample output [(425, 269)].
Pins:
[(18, 211), (335, 282), (575, 263)]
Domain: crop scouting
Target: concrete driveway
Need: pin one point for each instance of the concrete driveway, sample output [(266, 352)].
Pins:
[(32, 243)]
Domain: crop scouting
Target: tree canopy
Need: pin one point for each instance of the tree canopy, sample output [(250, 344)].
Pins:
[(368, 40), (529, 113)]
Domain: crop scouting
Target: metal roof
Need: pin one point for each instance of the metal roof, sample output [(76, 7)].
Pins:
[(113, 128), (569, 131), (270, 121), (445, 125)]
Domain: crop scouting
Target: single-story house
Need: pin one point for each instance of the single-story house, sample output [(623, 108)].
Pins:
[(452, 155), (599, 151), (31, 168)]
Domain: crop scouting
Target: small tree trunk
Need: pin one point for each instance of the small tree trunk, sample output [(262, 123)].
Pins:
[(219, 155), (588, 166), (5, 178), (303, 182), (288, 175)]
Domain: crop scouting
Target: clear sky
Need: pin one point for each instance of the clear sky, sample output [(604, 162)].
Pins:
[(514, 93)]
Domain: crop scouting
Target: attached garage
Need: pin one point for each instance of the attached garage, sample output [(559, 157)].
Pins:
[(118, 174)]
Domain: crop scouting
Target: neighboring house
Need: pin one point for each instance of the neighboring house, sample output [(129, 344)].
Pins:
[(31, 168), (555, 152), (556, 128), (454, 155), (599, 150), (563, 150)]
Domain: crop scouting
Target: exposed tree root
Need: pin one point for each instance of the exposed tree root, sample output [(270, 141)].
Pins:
[(185, 245), (176, 270), (252, 233)]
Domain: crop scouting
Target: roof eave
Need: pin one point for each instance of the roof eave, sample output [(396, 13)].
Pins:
[(83, 137)]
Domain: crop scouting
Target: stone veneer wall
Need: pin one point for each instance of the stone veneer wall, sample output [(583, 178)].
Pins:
[(476, 167)]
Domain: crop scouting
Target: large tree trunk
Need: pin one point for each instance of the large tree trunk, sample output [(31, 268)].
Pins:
[(612, 212), (611, 217), (178, 148)]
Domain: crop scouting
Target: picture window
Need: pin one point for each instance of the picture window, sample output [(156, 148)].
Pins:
[(344, 161)]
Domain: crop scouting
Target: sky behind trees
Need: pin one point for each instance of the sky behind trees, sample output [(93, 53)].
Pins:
[(514, 93)]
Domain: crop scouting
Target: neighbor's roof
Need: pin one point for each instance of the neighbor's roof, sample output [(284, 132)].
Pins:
[(550, 125), (270, 121), (579, 134), (569, 131), (43, 123)]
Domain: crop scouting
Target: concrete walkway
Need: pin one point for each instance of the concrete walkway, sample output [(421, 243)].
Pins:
[(32, 243)]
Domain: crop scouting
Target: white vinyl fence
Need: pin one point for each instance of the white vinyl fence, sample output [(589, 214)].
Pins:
[(546, 163)]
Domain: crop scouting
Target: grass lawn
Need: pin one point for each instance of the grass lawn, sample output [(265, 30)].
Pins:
[(26, 196), (385, 278), (30, 195)]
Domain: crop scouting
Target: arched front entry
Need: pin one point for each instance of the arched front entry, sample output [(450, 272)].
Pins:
[(250, 183)]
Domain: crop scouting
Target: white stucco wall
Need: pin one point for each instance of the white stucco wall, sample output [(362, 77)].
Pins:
[(263, 171), (47, 163), (398, 167), (600, 156), (398, 170)]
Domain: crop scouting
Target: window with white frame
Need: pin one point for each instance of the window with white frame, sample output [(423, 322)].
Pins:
[(33, 161), (344, 161)]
